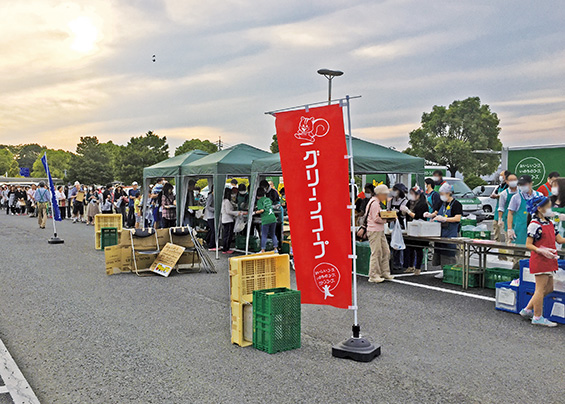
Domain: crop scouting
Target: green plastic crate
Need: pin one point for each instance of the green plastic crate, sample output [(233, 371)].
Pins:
[(468, 222), (476, 235), (453, 274), (254, 243), (108, 237), (494, 275), (276, 320), (363, 257)]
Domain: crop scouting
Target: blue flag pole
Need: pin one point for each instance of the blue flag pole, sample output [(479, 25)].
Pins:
[(56, 215)]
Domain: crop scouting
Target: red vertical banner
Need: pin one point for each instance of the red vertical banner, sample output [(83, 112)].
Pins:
[(316, 177)]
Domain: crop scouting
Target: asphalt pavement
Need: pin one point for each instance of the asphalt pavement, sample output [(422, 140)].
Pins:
[(80, 336)]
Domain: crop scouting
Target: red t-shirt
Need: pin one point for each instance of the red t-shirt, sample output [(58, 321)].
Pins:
[(545, 189)]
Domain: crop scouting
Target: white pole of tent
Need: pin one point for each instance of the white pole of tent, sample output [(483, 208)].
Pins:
[(352, 208)]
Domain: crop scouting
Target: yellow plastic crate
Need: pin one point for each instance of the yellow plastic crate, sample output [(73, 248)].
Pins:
[(97, 240), (237, 325), (257, 272), (101, 221)]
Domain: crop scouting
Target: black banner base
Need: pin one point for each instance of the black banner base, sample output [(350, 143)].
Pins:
[(358, 349), (55, 240)]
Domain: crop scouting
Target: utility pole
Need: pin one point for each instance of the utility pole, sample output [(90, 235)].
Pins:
[(219, 143)]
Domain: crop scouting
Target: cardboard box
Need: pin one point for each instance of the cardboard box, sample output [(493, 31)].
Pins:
[(113, 256), (388, 214)]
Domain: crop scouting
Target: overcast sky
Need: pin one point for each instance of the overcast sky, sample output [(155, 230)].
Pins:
[(84, 68)]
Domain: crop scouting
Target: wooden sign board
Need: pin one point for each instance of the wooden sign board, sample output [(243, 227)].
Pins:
[(167, 259)]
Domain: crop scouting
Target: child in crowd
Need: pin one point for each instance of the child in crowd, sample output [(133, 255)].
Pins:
[(543, 260), (268, 219), (138, 216)]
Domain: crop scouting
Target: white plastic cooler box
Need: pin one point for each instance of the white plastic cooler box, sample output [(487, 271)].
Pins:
[(422, 228)]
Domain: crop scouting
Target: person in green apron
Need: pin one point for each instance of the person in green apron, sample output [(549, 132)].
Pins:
[(449, 215), (501, 215), (496, 195), (438, 179), (518, 213)]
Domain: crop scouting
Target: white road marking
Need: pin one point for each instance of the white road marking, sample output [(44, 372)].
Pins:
[(16, 384), (3, 390), (453, 292), (424, 273)]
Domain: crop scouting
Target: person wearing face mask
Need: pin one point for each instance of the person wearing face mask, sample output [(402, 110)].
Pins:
[(434, 201), (415, 210), (504, 198), (518, 213), (558, 205), (503, 185), (189, 215), (541, 239), (449, 215), (396, 204), (242, 197), (545, 189), (437, 176), (379, 269)]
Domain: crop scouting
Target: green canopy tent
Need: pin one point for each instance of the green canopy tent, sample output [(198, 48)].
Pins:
[(368, 158), (231, 162), (171, 168)]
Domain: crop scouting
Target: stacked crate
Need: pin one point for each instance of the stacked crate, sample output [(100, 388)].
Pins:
[(105, 221), (247, 274)]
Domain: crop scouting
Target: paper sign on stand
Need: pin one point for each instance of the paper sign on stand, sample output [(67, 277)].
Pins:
[(167, 259)]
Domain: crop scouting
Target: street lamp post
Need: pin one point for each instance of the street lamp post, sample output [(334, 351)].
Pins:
[(330, 74)]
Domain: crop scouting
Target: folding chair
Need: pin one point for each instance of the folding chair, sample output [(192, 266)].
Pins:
[(140, 234), (183, 232)]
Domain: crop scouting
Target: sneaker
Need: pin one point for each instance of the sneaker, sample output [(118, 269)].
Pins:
[(212, 249), (417, 271), (388, 277), (376, 280), (543, 321), (529, 314), (439, 276), (409, 270), (74, 221)]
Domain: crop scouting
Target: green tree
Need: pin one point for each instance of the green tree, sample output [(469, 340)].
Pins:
[(474, 181), (27, 154), (92, 163), (448, 136), (58, 160), (140, 152), (196, 144), (275, 144), (8, 164)]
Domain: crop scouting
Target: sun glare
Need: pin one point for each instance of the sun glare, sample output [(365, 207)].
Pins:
[(84, 34)]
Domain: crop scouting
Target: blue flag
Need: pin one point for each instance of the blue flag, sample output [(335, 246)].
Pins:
[(56, 211)]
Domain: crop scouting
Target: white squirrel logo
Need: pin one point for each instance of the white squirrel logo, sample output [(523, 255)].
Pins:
[(309, 129)]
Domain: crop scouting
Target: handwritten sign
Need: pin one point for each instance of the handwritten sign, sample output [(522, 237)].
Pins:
[(167, 259)]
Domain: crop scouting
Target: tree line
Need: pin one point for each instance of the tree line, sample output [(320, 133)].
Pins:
[(94, 162)]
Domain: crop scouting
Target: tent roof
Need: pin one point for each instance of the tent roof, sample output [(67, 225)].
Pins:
[(170, 167), (368, 158), (235, 160)]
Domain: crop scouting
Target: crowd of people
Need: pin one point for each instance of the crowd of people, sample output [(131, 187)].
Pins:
[(437, 203)]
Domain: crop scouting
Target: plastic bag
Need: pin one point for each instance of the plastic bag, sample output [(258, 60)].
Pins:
[(239, 224), (396, 239)]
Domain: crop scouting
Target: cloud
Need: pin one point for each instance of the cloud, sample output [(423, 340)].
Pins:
[(221, 64)]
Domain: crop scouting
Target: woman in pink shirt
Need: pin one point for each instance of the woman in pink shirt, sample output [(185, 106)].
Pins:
[(380, 254)]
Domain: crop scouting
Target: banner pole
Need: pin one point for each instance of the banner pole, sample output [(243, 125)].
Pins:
[(356, 329), (54, 239), (355, 348)]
